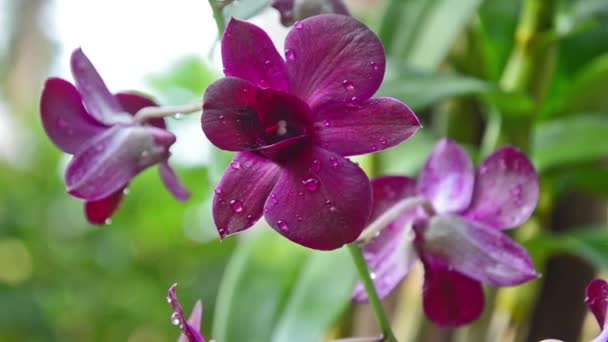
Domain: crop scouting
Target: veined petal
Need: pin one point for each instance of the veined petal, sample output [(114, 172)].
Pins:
[(333, 59), (191, 327), (65, 120), (506, 190), (448, 177), (321, 201), (239, 198), (98, 100), (99, 211), (110, 160), (451, 299), (229, 120), (248, 53), (172, 182), (597, 300), (132, 103), (371, 126), (476, 250)]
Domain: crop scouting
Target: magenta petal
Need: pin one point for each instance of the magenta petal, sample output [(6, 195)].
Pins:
[(110, 160), (321, 201), (478, 251), (132, 103), (98, 212), (333, 59), (374, 125), (506, 190), (64, 118), (451, 299), (172, 182), (448, 177), (597, 300), (96, 97), (229, 120), (248, 53), (191, 327), (239, 198)]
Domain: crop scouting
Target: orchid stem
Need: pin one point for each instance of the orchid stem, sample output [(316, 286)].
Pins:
[(154, 112), (218, 16), (391, 215), (372, 295)]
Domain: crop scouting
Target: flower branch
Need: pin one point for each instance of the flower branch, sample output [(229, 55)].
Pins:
[(155, 112), (376, 227)]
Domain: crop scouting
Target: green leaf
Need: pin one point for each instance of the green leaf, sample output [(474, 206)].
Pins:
[(570, 140), (275, 290), (244, 9), (184, 81), (591, 179), (407, 158), (588, 90), (423, 31)]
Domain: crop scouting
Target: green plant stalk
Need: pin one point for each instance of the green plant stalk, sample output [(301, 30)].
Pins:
[(218, 16), (372, 295)]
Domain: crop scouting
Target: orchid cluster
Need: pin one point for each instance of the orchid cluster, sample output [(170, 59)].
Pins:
[(293, 120)]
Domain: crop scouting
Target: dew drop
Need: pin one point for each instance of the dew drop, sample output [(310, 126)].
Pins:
[(372, 275), (175, 319), (374, 148), (354, 99), (299, 25), (299, 218), (516, 190), (316, 166), (290, 54), (333, 161), (483, 170), (218, 191), (236, 205), (245, 90), (250, 217), (221, 231), (326, 123), (374, 66), (108, 221), (267, 62), (221, 117), (61, 123), (383, 141), (348, 85), (169, 300), (282, 225), (126, 191), (178, 116), (311, 184), (235, 165)]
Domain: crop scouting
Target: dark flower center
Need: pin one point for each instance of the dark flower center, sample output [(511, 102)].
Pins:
[(282, 117)]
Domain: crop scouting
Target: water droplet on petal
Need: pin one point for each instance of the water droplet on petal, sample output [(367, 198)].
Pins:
[(108, 221), (516, 190), (245, 90), (372, 275), (236, 205), (126, 191), (348, 85), (311, 184), (299, 25), (374, 66), (221, 231), (290, 55), (483, 170), (316, 166), (218, 191), (354, 99), (61, 123), (169, 300), (373, 147), (282, 225), (249, 217), (235, 165), (178, 116), (175, 319), (383, 141), (326, 123), (299, 217), (267, 62), (333, 161)]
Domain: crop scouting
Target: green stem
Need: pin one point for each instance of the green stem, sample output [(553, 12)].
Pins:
[(372, 295), (218, 16)]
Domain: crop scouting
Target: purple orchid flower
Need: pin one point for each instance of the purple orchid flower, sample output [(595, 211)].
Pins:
[(597, 301), (109, 145), (191, 327), (293, 122), (457, 231), (295, 10)]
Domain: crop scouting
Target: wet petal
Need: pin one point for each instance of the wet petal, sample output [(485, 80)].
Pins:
[(100, 211), (506, 190), (478, 251), (448, 178), (321, 201), (248, 53), (95, 94), (346, 64), (191, 327), (64, 118), (228, 119), (306, 8), (110, 160), (132, 103), (172, 182), (597, 300), (371, 126), (451, 299), (239, 198)]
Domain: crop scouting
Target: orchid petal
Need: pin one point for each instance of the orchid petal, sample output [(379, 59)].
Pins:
[(478, 251), (65, 120), (239, 198), (172, 182), (451, 299), (333, 59), (98, 100), (372, 126), (448, 177), (321, 201), (132, 103), (100, 211), (109, 161), (248, 53), (506, 190), (597, 300), (191, 327)]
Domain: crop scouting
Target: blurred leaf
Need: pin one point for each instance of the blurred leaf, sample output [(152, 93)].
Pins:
[(244, 9), (275, 290), (423, 31), (184, 81), (569, 140), (591, 179), (407, 158), (588, 90), (590, 243)]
